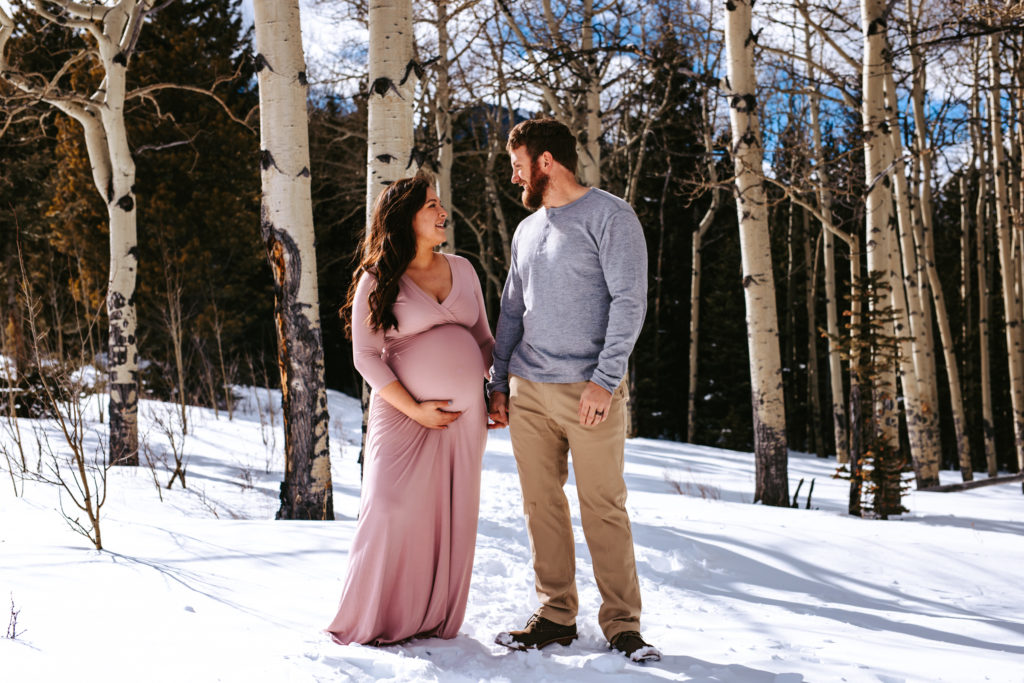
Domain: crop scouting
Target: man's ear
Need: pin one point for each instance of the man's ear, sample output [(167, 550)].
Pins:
[(546, 160)]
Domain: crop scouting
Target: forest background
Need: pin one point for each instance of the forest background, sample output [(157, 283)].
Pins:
[(205, 296)]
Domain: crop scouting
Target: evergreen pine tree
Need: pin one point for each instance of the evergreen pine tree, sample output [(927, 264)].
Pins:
[(877, 463)]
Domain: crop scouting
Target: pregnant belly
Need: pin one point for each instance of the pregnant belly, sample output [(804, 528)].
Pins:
[(443, 363)]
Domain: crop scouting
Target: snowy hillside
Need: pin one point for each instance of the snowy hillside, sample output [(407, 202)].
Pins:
[(205, 585)]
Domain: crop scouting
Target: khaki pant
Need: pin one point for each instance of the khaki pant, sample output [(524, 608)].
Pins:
[(544, 426)]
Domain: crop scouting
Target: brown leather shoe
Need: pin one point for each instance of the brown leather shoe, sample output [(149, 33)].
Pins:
[(631, 644), (538, 633)]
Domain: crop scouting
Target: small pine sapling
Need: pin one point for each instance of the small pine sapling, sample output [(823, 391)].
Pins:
[(876, 464)]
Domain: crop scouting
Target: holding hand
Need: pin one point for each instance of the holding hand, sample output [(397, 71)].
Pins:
[(498, 411), (595, 402)]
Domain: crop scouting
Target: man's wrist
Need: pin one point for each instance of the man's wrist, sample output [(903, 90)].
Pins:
[(497, 387), (604, 383)]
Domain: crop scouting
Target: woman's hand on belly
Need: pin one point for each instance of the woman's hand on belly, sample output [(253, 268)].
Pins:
[(430, 414)]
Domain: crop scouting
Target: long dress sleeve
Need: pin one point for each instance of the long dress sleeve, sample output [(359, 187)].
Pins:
[(367, 343), (481, 329)]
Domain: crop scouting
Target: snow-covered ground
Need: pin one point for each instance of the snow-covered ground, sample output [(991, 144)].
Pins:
[(206, 586)]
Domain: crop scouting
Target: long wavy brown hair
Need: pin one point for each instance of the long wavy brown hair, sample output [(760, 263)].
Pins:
[(388, 248)]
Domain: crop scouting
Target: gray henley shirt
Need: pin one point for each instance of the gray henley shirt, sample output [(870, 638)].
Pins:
[(575, 296)]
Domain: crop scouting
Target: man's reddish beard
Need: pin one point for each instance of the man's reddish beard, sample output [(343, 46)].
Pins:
[(533, 191)]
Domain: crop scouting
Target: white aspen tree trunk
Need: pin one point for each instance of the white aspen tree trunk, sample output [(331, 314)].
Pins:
[(824, 196), (922, 429), (835, 366), (1014, 171), (392, 89), (286, 223), (811, 296), (788, 323), (695, 276), (981, 240), (122, 349), (1018, 97), (390, 135), (695, 273), (926, 364), (927, 249), (443, 124), (1011, 296), (114, 29), (768, 402), (880, 218), (590, 147), (967, 316), (916, 350)]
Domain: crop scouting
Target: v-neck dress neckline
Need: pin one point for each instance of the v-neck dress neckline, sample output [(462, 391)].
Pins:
[(428, 295)]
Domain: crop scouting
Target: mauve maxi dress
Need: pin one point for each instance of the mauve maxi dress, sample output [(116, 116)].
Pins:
[(412, 554)]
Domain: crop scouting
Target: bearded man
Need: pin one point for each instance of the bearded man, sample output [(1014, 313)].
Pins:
[(571, 310)]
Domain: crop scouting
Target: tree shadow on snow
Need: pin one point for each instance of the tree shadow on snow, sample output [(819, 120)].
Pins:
[(811, 583), (979, 523)]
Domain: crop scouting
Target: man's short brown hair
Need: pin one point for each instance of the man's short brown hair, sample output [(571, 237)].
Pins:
[(545, 135)]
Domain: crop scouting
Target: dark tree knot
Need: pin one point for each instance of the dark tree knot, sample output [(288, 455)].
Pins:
[(302, 78), (266, 160), (382, 85), (415, 67), (261, 63), (421, 156), (126, 203), (121, 58), (744, 103)]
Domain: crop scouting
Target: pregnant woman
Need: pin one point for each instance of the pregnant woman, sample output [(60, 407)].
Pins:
[(421, 340)]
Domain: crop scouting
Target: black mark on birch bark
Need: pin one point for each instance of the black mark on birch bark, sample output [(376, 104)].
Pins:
[(267, 160), (382, 85), (261, 63)]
